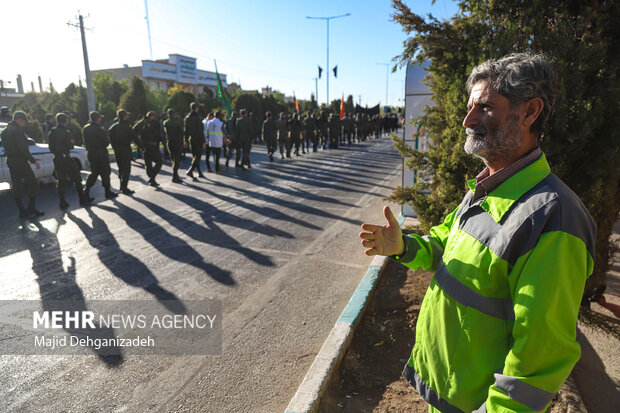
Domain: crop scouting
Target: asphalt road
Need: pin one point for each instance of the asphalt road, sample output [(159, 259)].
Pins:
[(278, 244)]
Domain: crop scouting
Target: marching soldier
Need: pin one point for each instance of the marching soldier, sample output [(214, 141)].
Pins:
[(270, 135), (194, 135), (347, 129), (245, 132), (60, 145), (17, 158), (96, 142), (121, 136), (173, 126), (310, 132), (231, 132), (295, 128), (334, 131), (147, 130), (283, 138), (322, 124)]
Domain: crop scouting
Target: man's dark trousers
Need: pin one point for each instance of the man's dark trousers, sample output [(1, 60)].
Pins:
[(152, 155)]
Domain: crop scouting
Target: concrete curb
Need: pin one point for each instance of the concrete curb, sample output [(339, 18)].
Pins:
[(314, 384)]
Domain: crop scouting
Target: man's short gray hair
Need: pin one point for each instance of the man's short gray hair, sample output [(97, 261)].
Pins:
[(520, 77)]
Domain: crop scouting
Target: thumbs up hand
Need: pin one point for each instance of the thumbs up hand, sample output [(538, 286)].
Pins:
[(383, 240)]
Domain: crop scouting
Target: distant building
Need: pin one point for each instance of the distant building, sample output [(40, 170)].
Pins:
[(163, 73), (267, 91)]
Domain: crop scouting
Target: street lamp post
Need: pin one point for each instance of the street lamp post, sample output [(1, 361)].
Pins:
[(327, 19)]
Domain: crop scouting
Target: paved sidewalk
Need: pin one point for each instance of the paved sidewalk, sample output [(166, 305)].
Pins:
[(597, 375)]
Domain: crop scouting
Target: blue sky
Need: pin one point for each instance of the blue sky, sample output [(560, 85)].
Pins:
[(256, 43)]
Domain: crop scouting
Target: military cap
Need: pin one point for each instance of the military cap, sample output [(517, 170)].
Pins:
[(150, 113), (120, 113), (94, 115), (170, 112), (61, 118), (194, 105), (20, 115)]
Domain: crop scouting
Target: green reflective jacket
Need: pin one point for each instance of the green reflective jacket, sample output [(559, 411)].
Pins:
[(497, 327)]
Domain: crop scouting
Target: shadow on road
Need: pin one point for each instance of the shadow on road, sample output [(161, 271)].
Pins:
[(212, 234), (123, 265), (57, 284), (167, 244)]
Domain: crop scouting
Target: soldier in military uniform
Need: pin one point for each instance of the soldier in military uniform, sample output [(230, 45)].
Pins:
[(245, 133), (310, 132), (323, 125), (121, 136), (347, 129), (147, 130), (231, 132), (47, 126), (17, 157), (60, 143), (194, 135), (96, 142), (295, 128), (334, 131), (173, 126), (283, 138), (5, 114), (270, 135)]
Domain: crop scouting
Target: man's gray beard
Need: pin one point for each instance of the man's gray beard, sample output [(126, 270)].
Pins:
[(505, 141)]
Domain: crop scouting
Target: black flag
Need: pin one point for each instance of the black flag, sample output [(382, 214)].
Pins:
[(335, 69), (320, 71)]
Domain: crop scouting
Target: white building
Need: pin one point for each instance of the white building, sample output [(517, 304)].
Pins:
[(163, 73)]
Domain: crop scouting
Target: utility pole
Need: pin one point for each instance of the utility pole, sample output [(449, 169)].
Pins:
[(148, 27), (387, 73), (90, 94), (327, 68)]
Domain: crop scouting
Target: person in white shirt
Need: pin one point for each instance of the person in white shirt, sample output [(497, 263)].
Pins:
[(214, 138)]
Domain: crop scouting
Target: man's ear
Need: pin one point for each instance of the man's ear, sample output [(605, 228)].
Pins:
[(531, 111)]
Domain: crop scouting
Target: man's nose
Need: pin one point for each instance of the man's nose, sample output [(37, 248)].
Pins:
[(471, 119)]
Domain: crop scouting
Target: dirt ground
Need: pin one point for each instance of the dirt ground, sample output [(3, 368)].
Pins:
[(369, 378)]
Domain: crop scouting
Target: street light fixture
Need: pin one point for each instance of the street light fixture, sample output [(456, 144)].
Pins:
[(327, 19)]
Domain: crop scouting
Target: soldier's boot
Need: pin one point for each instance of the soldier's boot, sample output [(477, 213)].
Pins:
[(175, 178), (127, 191), (84, 198), (63, 202), (200, 174), (87, 190), (20, 206), (32, 211), (153, 182), (109, 194)]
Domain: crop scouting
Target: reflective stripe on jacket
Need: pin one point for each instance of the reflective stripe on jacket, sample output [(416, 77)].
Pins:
[(497, 327)]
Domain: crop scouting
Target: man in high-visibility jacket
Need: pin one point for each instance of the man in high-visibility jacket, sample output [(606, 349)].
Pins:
[(497, 327)]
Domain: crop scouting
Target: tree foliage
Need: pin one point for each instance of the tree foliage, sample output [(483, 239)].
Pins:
[(134, 99), (581, 140), (180, 101)]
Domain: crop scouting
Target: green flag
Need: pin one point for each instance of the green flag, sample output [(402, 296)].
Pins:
[(221, 93)]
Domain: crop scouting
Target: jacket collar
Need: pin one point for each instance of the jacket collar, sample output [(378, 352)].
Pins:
[(500, 200)]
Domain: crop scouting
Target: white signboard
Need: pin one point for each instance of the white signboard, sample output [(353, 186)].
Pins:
[(158, 70)]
